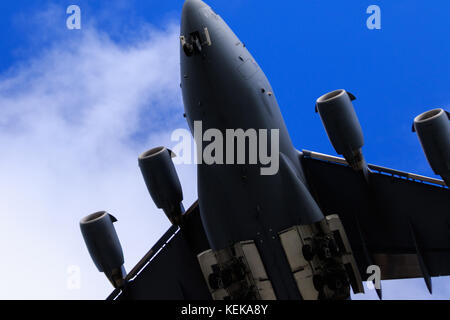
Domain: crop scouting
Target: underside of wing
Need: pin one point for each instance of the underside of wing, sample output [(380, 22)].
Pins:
[(170, 270), (398, 221)]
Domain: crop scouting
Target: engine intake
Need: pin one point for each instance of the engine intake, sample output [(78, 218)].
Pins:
[(104, 246), (433, 130), (162, 182), (342, 126)]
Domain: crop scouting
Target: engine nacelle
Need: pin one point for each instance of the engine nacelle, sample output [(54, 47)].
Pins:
[(342, 126), (104, 246), (433, 130), (162, 182)]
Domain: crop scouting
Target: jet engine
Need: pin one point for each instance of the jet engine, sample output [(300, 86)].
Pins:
[(433, 130), (104, 246), (162, 182), (342, 126)]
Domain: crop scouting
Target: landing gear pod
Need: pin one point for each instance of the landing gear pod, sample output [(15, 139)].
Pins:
[(342, 126), (433, 130), (162, 182), (104, 246)]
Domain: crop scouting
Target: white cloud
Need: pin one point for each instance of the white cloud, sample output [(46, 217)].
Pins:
[(73, 121)]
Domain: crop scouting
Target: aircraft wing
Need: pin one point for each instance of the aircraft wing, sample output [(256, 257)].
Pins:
[(170, 270), (400, 221)]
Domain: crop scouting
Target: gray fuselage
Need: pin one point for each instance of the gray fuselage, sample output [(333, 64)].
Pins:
[(224, 87)]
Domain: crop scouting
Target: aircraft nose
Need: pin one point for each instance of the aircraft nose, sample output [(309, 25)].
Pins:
[(190, 14)]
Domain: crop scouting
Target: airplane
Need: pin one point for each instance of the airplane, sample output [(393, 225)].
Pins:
[(308, 232)]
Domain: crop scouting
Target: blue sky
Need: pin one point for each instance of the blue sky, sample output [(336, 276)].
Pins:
[(64, 93)]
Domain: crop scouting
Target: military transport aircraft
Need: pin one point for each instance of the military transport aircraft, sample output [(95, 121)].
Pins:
[(311, 229)]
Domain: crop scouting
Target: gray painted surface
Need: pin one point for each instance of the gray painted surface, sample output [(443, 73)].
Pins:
[(224, 87)]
